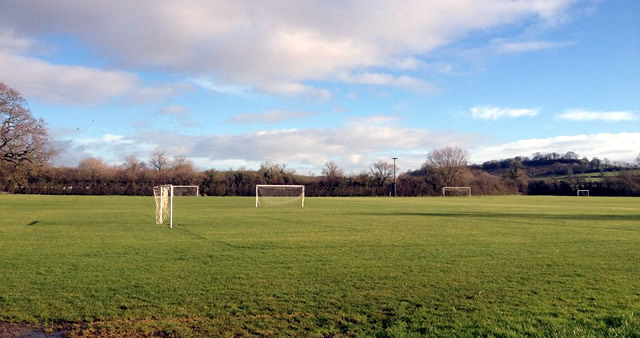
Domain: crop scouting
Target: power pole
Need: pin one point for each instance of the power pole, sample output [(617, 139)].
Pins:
[(395, 191)]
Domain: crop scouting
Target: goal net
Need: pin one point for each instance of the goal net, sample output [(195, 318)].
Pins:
[(186, 190), (279, 195), (456, 191), (583, 192), (164, 203), (164, 195)]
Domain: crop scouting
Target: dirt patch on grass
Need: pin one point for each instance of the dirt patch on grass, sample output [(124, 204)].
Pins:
[(263, 325), (20, 330), (30, 331)]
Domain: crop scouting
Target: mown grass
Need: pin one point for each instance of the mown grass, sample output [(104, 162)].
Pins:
[(503, 266)]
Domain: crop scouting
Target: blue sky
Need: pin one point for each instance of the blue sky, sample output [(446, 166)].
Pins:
[(232, 84)]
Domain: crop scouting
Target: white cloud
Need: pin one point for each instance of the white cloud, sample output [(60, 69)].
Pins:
[(620, 146), (268, 117), (65, 84), (111, 138), (113, 149), (354, 145), (510, 47), (222, 89), (351, 145), (606, 116), (406, 63), (294, 88), (389, 80), (175, 110), (140, 94), (180, 115), (494, 113), (282, 88), (10, 41), (439, 67), (262, 46), (373, 120)]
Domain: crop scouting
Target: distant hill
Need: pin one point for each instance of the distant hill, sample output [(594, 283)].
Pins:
[(559, 167)]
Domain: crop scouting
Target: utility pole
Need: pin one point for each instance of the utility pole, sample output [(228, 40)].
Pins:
[(395, 191)]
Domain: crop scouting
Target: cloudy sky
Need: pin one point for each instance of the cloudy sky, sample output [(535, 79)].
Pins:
[(235, 83)]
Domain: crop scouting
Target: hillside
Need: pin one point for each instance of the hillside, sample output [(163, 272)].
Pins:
[(560, 168)]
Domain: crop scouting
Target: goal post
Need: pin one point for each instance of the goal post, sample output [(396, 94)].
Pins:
[(583, 192), (279, 194), (464, 191), (163, 195)]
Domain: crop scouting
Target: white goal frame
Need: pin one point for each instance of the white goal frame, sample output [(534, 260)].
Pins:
[(445, 189), (170, 194), (258, 186), (578, 193)]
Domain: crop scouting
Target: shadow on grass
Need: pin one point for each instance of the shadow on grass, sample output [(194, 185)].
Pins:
[(584, 217), (255, 245), (281, 219), (185, 230), (33, 223)]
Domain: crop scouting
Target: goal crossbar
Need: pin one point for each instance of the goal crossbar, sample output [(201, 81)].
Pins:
[(466, 189), (279, 186)]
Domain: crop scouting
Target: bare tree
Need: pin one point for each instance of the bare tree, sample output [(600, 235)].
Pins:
[(94, 169), (332, 171), (275, 173), (159, 160), (23, 138), (184, 171), (449, 164), (180, 161), (132, 164), (381, 171), (638, 161)]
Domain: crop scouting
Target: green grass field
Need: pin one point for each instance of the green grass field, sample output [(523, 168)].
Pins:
[(501, 266)]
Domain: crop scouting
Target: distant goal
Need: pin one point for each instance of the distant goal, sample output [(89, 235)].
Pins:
[(164, 194), (456, 191), (583, 192), (279, 195)]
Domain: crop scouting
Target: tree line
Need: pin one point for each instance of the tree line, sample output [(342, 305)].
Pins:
[(136, 177), (26, 150)]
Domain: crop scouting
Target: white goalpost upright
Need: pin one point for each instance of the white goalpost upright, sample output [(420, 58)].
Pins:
[(278, 194), (163, 195), (583, 192), (464, 190)]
